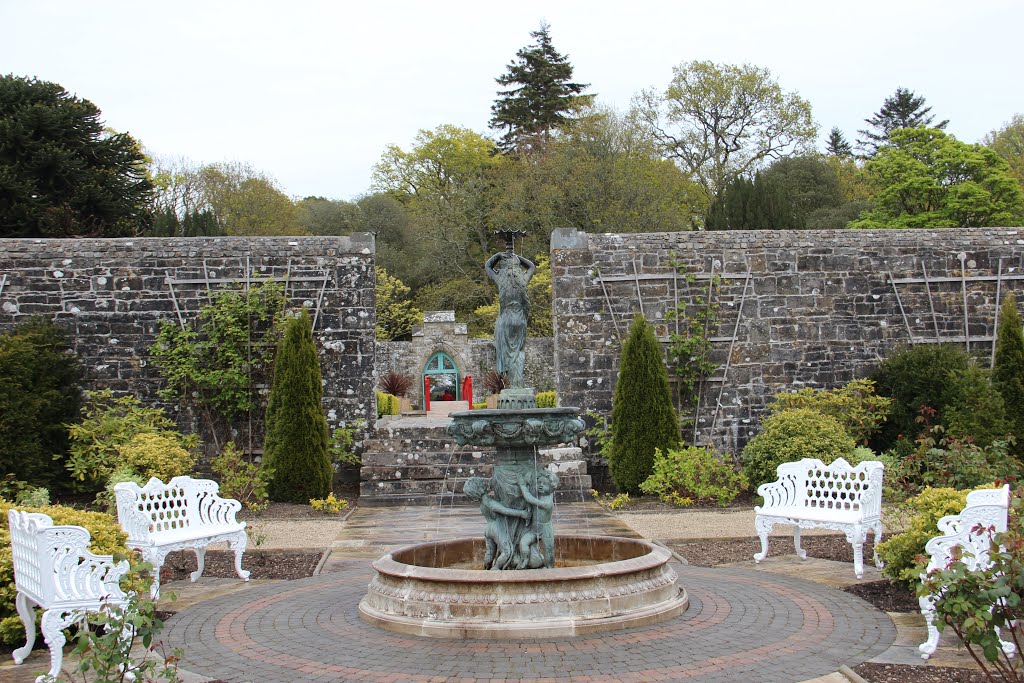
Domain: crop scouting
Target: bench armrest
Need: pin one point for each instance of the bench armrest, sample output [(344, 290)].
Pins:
[(781, 493), (79, 574), (216, 510)]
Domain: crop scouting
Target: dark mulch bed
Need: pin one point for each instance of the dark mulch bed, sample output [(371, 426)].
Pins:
[(262, 564), (903, 673)]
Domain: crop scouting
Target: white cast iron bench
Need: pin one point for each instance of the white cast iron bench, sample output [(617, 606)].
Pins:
[(54, 569), (811, 494), (184, 513), (971, 532)]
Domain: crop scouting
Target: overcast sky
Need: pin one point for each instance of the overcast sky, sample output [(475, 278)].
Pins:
[(311, 92)]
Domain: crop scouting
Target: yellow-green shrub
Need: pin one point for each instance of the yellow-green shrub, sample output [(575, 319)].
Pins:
[(547, 399), (157, 455), (480, 405), (855, 405), (788, 436), (690, 475), (107, 538), (387, 404), (926, 508)]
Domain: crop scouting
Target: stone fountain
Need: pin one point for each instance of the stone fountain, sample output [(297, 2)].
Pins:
[(520, 580)]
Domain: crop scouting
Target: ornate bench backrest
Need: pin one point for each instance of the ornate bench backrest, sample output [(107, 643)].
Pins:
[(29, 574), (838, 486), (181, 503), (972, 530)]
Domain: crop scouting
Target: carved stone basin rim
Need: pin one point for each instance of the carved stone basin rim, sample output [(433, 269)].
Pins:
[(516, 428)]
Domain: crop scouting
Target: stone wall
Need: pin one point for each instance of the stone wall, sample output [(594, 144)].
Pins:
[(112, 294), (819, 307)]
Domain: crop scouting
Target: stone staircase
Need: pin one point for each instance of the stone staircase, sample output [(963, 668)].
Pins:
[(422, 465)]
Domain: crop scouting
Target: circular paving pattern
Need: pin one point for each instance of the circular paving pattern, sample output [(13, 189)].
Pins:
[(741, 626)]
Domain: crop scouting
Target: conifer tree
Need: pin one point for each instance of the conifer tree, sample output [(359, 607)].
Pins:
[(1008, 369), (542, 95), (296, 440), (902, 110), (642, 414), (837, 144)]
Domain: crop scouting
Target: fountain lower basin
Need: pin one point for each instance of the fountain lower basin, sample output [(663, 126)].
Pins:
[(599, 584)]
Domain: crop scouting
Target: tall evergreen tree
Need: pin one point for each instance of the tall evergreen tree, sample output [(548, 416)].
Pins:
[(902, 110), (542, 95), (642, 415), (758, 204), (837, 145), (62, 174), (1008, 369), (295, 447)]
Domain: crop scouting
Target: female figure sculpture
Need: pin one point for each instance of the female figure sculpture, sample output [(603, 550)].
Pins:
[(511, 274)]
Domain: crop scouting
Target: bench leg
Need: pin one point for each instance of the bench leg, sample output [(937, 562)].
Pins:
[(929, 646), (28, 618), (856, 538), (801, 553), (53, 625), (155, 557), (877, 529), (200, 563), (238, 543), (763, 525)]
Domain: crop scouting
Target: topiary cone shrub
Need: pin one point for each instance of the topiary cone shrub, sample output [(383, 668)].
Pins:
[(642, 416), (296, 441), (1008, 369)]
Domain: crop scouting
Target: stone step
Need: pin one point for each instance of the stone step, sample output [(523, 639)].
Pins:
[(452, 500), (479, 468), (440, 458), (390, 487)]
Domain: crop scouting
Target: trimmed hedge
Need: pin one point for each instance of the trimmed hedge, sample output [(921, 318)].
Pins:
[(789, 435)]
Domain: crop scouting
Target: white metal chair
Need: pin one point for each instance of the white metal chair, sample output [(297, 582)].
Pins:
[(54, 569)]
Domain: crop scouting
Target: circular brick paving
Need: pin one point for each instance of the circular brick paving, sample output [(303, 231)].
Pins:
[(741, 626)]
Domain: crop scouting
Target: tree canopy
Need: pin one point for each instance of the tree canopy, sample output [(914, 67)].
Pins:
[(1008, 142), (721, 121), (541, 97), (927, 179), (903, 109), (62, 173)]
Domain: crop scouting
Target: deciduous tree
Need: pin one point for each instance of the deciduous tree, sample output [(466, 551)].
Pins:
[(247, 202), (396, 313), (721, 121), (62, 173), (542, 95), (927, 179), (1008, 142)]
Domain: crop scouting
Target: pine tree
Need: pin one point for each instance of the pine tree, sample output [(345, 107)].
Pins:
[(642, 415), (759, 204), (542, 95), (1008, 369), (902, 110), (837, 144), (296, 441)]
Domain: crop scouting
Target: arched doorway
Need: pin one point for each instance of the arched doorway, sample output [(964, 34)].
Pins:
[(444, 377)]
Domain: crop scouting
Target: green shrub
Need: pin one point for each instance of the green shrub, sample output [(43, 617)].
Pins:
[(941, 460), (242, 479), (642, 416), (157, 455), (922, 512), (856, 405), (547, 399), (109, 428), (107, 539), (942, 377), (342, 444), (693, 475), (387, 405), (296, 441), (790, 435), (107, 499), (39, 397), (1008, 370)]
